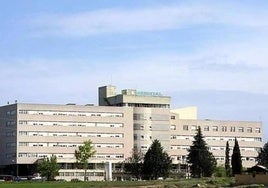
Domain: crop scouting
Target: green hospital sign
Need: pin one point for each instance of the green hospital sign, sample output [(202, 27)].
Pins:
[(148, 93)]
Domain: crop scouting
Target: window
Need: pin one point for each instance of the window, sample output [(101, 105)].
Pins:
[(215, 128), (137, 116), (173, 127), (136, 126), (206, 128), (10, 134), (194, 128), (10, 113), (23, 122), (10, 145), (10, 155), (185, 127), (10, 123), (258, 130), (23, 133), (172, 117), (249, 130), (240, 129), (232, 129), (224, 129), (23, 144), (173, 137), (23, 112)]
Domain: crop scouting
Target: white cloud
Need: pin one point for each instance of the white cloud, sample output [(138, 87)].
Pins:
[(233, 66), (147, 19), (241, 67)]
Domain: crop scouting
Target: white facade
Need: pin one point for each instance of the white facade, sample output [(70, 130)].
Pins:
[(32, 131)]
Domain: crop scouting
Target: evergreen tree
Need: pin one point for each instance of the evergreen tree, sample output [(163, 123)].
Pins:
[(202, 161), (262, 158), (236, 159), (48, 168), (134, 164), (83, 153), (157, 162), (227, 160)]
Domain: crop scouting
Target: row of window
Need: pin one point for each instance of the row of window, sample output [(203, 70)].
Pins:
[(10, 133), (153, 117), (10, 155), (147, 105), (142, 137), (68, 156), (138, 126), (11, 113), (182, 158), (72, 124), (212, 148), (75, 174), (62, 144), (10, 123), (69, 113), (218, 128), (10, 144), (72, 134), (207, 138)]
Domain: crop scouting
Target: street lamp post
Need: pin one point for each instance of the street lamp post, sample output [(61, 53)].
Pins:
[(17, 167)]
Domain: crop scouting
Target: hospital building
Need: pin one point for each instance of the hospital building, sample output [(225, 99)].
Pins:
[(121, 121)]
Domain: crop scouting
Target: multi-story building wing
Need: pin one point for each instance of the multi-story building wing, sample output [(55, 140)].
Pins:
[(151, 124), (216, 133), (176, 128), (151, 114), (33, 131)]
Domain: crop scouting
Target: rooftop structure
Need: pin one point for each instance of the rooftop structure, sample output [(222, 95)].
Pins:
[(132, 98)]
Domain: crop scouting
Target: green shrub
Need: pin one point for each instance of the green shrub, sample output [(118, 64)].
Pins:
[(220, 171)]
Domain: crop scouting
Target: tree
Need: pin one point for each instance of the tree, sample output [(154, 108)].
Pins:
[(48, 167), (236, 159), (227, 160), (134, 164), (157, 162), (203, 163), (262, 158), (83, 153)]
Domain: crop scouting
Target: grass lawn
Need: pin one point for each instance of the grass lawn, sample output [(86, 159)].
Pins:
[(206, 182)]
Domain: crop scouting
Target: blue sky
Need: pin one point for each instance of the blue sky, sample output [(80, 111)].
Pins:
[(212, 54)]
